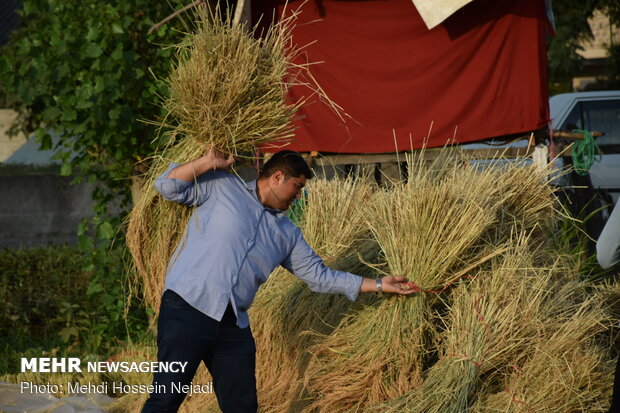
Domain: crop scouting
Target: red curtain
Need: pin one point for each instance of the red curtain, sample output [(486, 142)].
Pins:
[(479, 74)]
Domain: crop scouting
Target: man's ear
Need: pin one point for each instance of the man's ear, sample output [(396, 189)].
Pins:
[(278, 176)]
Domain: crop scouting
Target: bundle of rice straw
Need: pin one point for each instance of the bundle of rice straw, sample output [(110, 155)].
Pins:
[(227, 92), (492, 323), (286, 313), (228, 88), (529, 206), (565, 371), (435, 229)]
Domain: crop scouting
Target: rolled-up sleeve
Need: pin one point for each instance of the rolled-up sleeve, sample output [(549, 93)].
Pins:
[(192, 193), (608, 244), (305, 264)]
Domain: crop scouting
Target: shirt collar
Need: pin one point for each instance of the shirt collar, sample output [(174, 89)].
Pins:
[(251, 187)]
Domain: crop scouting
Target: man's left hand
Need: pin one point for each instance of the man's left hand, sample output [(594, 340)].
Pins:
[(390, 284), (397, 285)]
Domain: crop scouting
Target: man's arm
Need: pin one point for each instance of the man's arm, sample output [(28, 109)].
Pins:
[(189, 184), (210, 161), (304, 263)]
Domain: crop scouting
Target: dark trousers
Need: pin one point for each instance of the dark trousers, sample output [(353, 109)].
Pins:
[(186, 334)]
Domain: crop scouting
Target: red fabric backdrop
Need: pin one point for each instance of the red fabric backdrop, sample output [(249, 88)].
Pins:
[(480, 74)]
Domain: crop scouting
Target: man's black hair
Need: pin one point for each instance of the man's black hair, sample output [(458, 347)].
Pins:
[(290, 163)]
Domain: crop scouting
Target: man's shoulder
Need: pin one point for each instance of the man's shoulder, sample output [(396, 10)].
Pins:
[(222, 177), (219, 174)]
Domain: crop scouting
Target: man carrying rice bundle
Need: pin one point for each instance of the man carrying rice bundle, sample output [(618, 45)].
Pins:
[(237, 235)]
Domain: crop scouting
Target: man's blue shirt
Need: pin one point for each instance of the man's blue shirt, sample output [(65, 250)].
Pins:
[(233, 242)]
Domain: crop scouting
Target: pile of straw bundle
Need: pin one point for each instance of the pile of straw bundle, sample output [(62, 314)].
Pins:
[(495, 324), (498, 309), (286, 315), (434, 229), (227, 91), (565, 370)]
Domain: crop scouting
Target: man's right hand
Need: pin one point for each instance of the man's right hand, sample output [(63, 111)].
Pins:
[(213, 159)]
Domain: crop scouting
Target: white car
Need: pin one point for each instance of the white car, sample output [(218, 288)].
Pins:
[(594, 111)]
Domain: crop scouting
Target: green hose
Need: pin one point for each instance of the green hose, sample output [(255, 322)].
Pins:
[(585, 153)]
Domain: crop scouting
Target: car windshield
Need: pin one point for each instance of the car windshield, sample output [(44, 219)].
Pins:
[(597, 115)]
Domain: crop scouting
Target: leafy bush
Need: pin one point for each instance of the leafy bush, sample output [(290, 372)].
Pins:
[(34, 284), (81, 69), (51, 304), (89, 73)]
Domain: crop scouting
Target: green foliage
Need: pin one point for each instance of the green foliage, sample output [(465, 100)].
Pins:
[(88, 72), (571, 19), (32, 281), (53, 303), (571, 241), (572, 27), (613, 67), (82, 70), (297, 210)]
